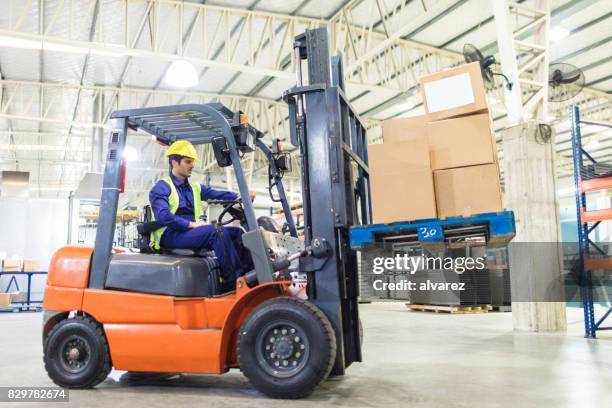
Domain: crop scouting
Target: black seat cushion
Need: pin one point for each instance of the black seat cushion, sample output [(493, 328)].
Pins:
[(189, 252), (164, 274), (269, 224)]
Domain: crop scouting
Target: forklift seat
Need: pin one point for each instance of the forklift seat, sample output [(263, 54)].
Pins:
[(144, 243), (145, 227), (201, 253), (180, 276), (269, 224)]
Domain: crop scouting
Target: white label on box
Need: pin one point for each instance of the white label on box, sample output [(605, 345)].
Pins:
[(449, 93)]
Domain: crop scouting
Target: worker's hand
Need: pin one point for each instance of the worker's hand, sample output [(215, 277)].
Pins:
[(252, 195), (196, 224)]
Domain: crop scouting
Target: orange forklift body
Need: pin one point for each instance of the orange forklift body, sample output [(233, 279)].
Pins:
[(156, 333)]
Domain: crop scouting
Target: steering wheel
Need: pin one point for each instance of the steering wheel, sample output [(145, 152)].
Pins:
[(231, 207)]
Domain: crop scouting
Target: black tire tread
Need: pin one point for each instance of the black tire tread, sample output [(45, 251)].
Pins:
[(105, 368), (322, 320)]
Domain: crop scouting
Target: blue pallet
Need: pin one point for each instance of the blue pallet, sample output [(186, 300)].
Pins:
[(500, 225)]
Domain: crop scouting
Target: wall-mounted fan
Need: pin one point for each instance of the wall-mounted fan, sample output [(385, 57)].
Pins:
[(564, 82), (473, 54), (543, 133)]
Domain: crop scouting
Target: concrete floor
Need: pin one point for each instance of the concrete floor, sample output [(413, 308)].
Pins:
[(412, 359)]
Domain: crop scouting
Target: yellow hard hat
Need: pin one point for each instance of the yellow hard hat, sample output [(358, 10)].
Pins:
[(182, 148)]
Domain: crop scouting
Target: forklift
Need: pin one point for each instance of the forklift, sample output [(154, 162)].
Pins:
[(167, 310)]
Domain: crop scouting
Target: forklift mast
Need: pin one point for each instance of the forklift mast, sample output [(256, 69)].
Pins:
[(335, 185)]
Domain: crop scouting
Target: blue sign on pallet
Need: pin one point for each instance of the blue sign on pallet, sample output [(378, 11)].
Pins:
[(430, 233)]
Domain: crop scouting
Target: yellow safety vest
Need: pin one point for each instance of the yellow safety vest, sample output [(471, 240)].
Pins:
[(173, 202)]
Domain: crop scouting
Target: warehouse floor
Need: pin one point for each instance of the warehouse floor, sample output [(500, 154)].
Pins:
[(414, 359)]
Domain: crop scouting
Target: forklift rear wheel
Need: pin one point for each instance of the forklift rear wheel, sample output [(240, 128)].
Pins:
[(286, 347), (76, 353)]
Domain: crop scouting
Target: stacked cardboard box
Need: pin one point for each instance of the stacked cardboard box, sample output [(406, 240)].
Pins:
[(441, 164), (401, 181), (31, 266), (461, 142), (11, 265), (5, 300), (19, 297)]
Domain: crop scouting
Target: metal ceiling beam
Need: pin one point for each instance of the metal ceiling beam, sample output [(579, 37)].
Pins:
[(182, 45), (599, 80), (251, 59), (529, 94), (95, 9), (557, 15), (21, 101), (169, 21), (286, 62), (278, 30), (380, 58), (571, 55)]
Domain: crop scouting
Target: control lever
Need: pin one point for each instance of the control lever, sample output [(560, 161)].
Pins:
[(318, 249)]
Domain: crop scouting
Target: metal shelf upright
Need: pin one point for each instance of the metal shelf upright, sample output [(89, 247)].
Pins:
[(593, 177)]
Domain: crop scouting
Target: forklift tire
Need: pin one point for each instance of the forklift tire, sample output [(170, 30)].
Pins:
[(76, 353), (286, 347)]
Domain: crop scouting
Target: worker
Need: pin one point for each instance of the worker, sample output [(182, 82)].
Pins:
[(176, 203)]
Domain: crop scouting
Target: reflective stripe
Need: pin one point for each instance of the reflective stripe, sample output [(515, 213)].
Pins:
[(196, 189), (173, 204)]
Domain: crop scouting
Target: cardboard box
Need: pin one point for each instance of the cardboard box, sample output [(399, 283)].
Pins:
[(404, 130), (401, 182), (31, 266), (454, 92), (5, 299), (460, 142), (11, 265), (467, 191), (19, 297)]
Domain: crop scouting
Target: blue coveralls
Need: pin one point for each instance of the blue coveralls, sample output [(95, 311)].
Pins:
[(178, 235)]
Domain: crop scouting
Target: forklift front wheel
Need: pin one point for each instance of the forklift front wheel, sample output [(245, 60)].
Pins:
[(76, 353), (286, 347)]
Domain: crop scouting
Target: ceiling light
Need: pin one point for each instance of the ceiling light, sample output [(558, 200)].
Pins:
[(12, 42), (558, 33), (130, 154), (181, 74)]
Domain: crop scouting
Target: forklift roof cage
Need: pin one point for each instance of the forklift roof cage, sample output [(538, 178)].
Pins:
[(195, 123), (199, 124)]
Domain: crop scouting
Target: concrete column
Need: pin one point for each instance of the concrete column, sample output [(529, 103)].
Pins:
[(530, 191)]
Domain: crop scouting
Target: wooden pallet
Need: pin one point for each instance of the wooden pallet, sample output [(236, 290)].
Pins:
[(450, 309), (501, 308)]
